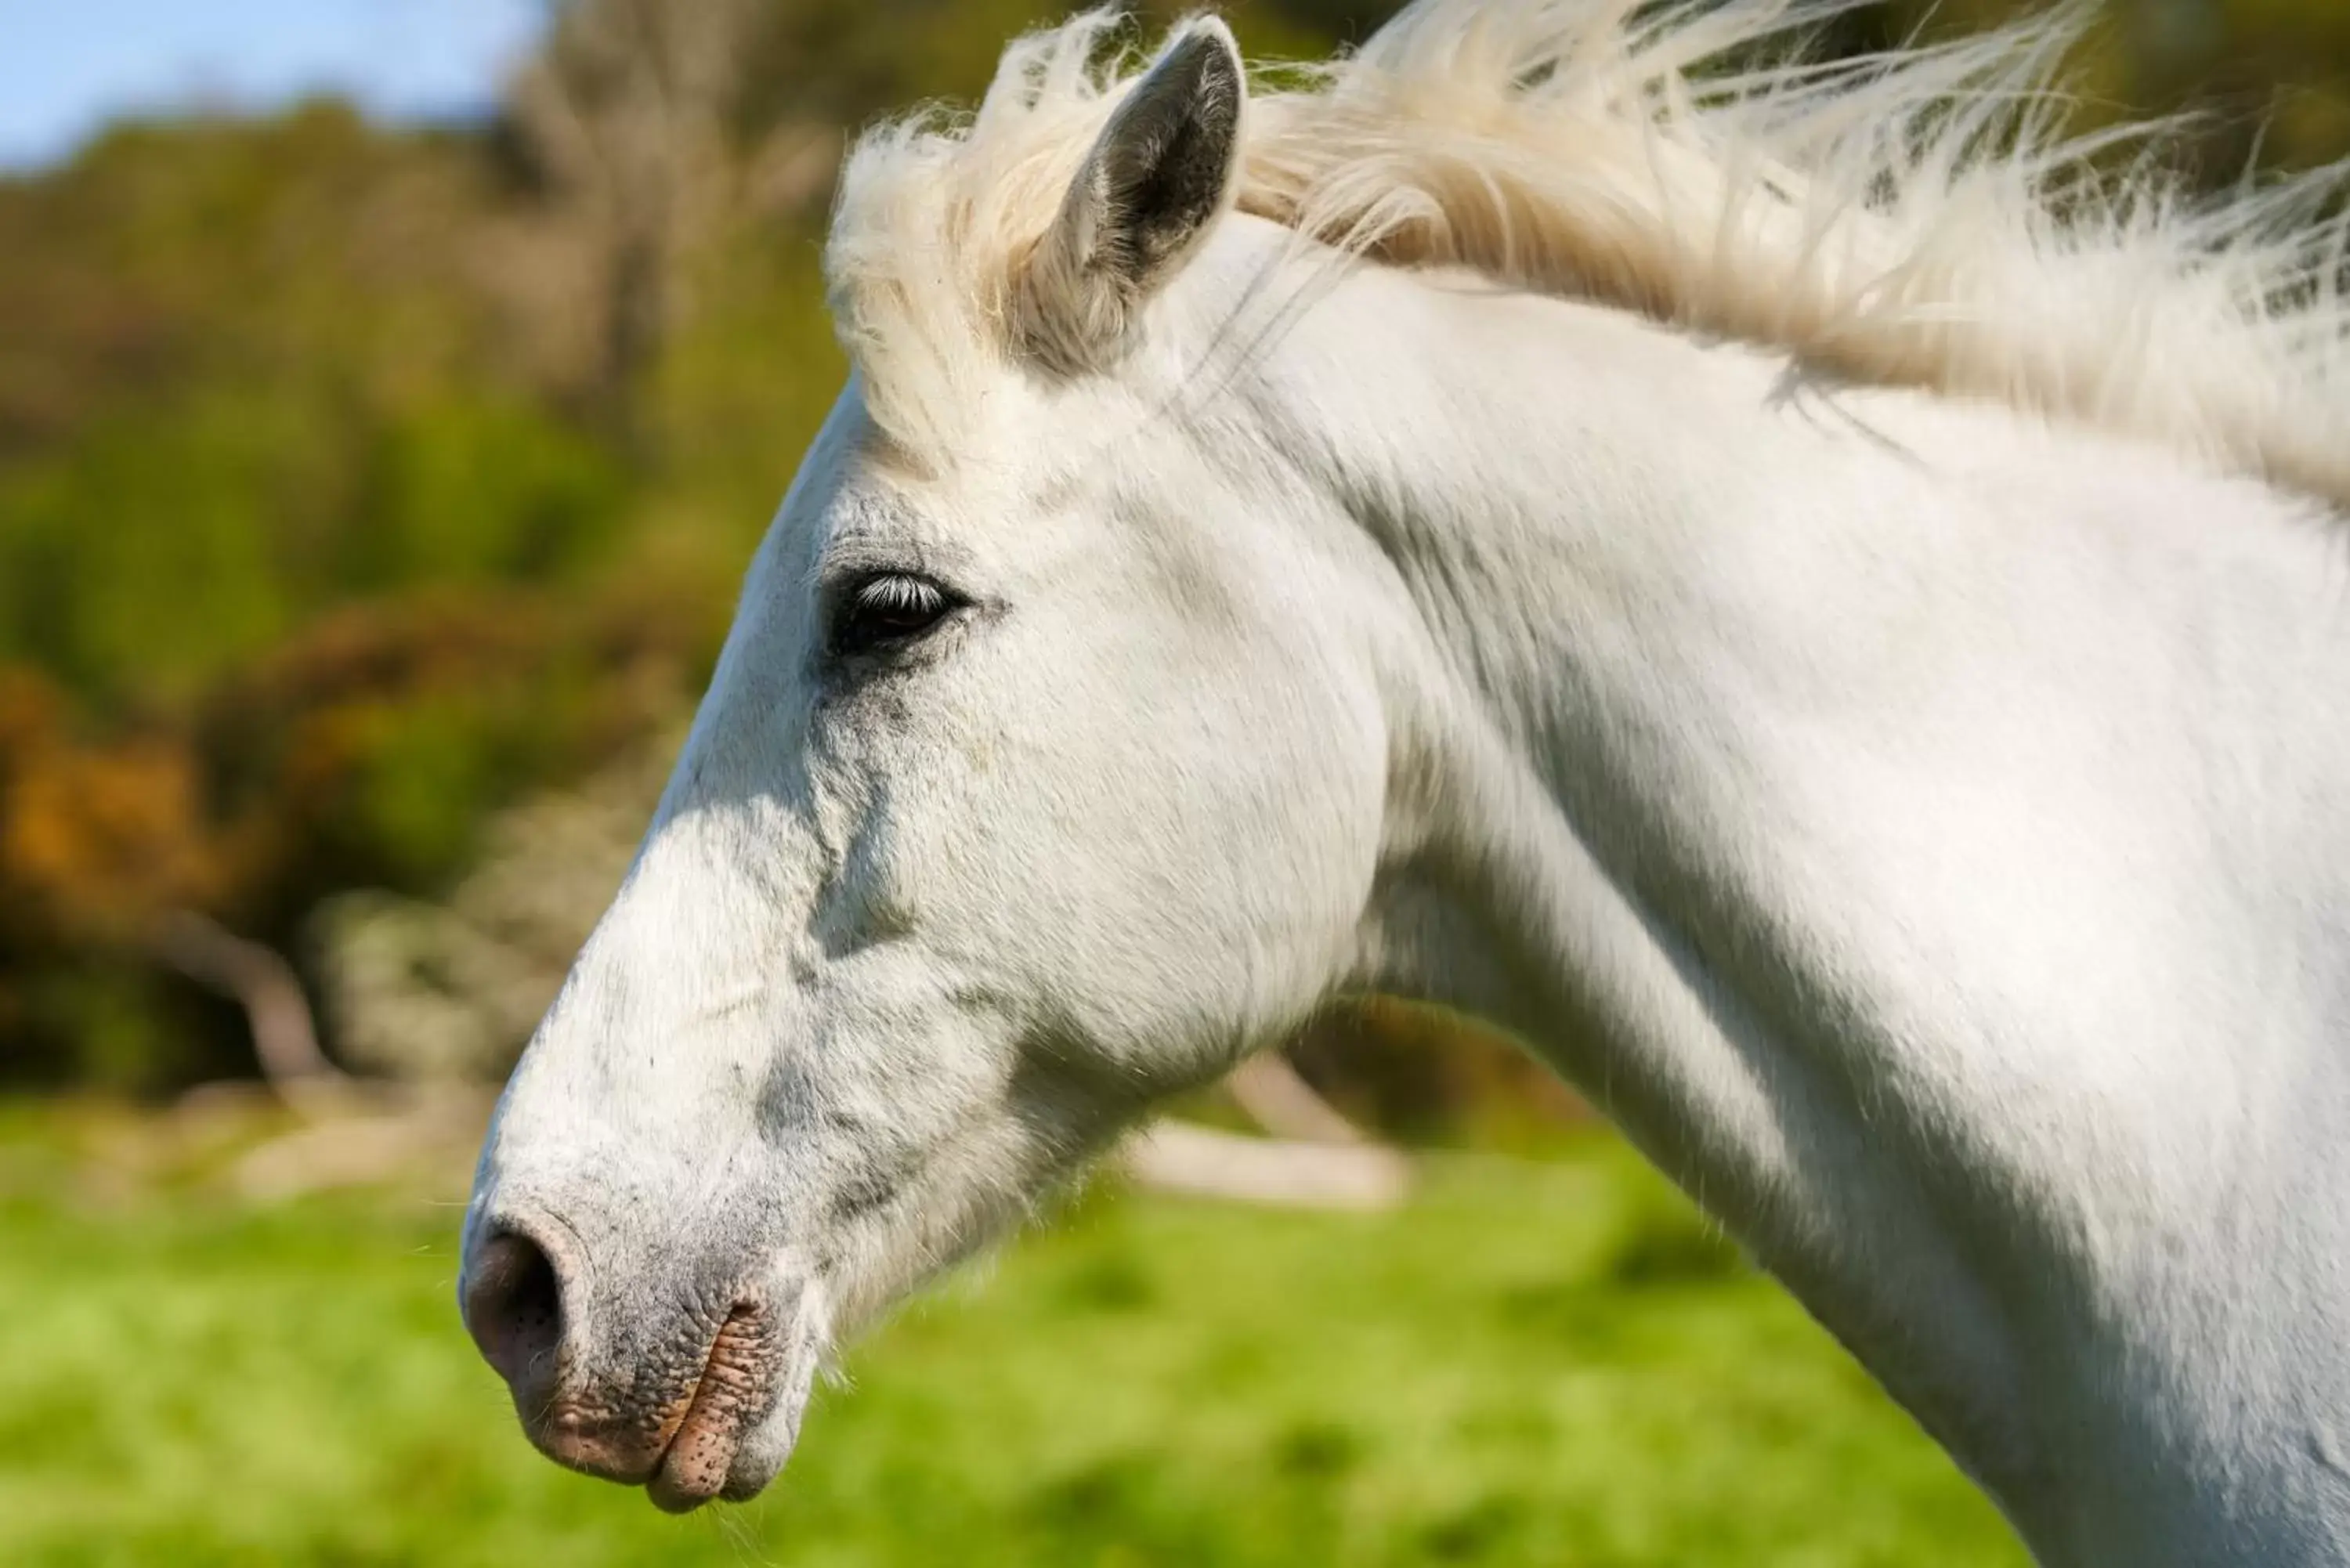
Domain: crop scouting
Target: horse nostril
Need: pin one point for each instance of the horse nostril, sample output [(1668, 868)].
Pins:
[(514, 1308)]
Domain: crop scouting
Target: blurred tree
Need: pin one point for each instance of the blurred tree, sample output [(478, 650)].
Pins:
[(250, 371), (627, 113), (2267, 82), (94, 840)]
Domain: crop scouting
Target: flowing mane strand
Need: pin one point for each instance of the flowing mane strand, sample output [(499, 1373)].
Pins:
[(1916, 219)]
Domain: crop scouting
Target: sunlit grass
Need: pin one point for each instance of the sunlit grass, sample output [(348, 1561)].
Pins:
[(1549, 1366)]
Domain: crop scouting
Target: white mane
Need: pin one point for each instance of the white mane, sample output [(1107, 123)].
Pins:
[(1915, 219)]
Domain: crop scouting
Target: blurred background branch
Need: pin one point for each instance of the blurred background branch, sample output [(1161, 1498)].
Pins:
[(284, 1041)]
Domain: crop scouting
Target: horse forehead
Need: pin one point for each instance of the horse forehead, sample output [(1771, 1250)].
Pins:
[(882, 509), (1030, 462)]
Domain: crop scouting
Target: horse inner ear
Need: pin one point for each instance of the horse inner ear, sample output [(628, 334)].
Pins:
[(1154, 182)]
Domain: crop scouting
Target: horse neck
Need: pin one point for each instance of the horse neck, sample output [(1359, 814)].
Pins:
[(1922, 832)]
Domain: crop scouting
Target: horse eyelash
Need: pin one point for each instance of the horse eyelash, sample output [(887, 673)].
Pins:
[(899, 591)]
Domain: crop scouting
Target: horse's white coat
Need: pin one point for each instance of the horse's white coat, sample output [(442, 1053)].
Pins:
[(1926, 829)]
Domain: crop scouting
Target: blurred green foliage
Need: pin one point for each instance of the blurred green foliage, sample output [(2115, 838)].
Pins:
[(355, 481)]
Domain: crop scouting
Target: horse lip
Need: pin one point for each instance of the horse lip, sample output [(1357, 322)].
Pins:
[(727, 1398)]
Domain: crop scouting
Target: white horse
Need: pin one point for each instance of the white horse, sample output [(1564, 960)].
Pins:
[(1767, 580)]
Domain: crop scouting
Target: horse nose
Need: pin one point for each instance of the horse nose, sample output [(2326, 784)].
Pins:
[(612, 1373), (513, 1305), (523, 1302)]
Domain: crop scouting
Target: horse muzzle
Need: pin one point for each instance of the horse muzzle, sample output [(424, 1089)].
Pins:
[(690, 1389)]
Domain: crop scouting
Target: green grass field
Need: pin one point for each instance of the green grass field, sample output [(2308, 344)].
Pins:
[(1551, 1366)]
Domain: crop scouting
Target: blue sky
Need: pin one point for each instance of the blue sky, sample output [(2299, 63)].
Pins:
[(68, 65)]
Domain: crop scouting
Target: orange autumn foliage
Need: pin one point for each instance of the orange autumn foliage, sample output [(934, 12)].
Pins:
[(95, 841)]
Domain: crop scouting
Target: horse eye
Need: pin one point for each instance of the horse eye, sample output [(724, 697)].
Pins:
[(887, 610)]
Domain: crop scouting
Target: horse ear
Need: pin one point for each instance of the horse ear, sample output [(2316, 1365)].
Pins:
[(1153, 184)]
